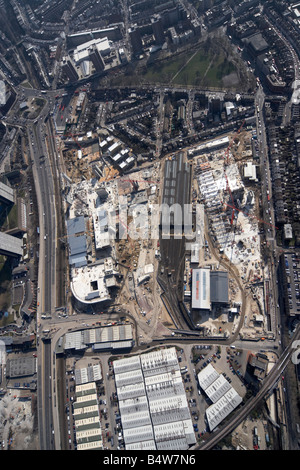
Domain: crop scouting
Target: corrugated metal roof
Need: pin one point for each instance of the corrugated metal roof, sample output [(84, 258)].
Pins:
[(133, 405), (127, 364), (217, 389), (207, 376), (201, 288), (78, 261), (139, 434), (133, 376), (77, 244), (162, 402), (145, 445), (76, 225), (219, 286), (222, 408), (135, 420)]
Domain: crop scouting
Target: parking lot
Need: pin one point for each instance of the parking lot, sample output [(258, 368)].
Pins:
[(225, 360), (192, 359), (107, 400)]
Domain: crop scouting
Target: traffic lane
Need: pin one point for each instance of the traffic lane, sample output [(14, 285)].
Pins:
[(48, 397), (265, 177), (48, 253), (47, 258), (51, 224), (45, 182), (44, 189)]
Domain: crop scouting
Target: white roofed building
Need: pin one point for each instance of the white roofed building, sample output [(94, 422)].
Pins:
[(152, 401), (223, 396), (82, 52), (222, 408), (87, 418), (201, 289), (207, 376), (218, 388)]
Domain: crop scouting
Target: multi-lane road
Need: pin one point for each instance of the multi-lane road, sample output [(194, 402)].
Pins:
[(46, 179), (46, 278)]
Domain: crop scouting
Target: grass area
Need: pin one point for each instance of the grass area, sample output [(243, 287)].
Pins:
[(8, 217), (39, 102), (5, 269), (206, 68), (7, 320), (164, 71), (211, 64), (26, 84)]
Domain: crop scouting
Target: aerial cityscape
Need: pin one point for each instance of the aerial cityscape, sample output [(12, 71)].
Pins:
[(150, 227)]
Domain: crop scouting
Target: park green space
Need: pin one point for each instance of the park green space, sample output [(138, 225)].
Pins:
[(194, 68)]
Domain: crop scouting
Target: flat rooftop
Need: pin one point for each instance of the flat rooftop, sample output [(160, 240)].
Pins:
[(6, 193), (10, 245), (201, 289), (88, 284)]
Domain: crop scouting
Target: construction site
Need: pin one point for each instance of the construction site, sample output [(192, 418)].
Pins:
[(18, 426), (226, 181), (112, 253)]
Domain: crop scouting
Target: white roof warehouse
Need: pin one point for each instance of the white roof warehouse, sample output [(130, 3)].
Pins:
[(152, 401), (223, 396)]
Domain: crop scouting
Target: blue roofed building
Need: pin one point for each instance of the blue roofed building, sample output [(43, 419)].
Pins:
[(76, 225), (77, 242)]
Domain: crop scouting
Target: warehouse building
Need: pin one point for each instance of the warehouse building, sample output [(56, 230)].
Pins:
[(152, 402), (201, 289), (87, 418), (109, 338), (77, 242), (207, 376), (223, 396), (217, 389), (219, 287), (217, 412), (88, 374), (209, 288)]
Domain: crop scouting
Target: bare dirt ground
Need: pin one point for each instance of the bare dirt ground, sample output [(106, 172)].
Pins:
[(230, 80), (242, 438), (17, 423)]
